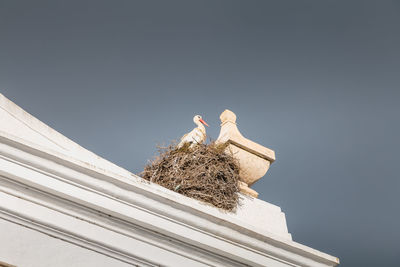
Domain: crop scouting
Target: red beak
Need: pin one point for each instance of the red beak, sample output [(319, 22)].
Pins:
[(203, 122)]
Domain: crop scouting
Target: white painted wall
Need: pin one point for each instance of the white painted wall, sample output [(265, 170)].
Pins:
[(24, 247), (61, 203)]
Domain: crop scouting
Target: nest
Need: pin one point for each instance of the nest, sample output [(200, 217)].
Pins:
[(204, 172)]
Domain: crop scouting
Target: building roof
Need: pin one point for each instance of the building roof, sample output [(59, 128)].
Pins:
[(256, 223)]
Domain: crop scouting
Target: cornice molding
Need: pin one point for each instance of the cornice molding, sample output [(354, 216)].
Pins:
[(59, 184)]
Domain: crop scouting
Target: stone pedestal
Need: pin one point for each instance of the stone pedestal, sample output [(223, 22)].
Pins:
[(254, 159)]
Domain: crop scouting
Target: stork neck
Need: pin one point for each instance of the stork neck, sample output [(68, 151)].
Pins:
[(201, 127)]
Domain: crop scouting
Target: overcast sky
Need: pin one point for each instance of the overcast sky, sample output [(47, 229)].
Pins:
[(316, 81)]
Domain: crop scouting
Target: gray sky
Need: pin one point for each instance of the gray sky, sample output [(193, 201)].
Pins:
[(317, 81)]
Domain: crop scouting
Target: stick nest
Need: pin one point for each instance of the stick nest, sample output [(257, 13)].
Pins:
[(204, 172)]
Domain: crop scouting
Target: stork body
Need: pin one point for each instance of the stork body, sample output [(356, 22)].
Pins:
[(197, 135)]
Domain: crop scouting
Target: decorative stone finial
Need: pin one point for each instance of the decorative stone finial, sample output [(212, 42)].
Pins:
[(254, 159), (227, 116)]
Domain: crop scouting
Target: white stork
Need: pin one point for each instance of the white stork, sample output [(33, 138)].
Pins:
[(197, 135)]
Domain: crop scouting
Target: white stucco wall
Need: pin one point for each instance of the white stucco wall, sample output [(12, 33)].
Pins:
[(62, 205), (23, 247)]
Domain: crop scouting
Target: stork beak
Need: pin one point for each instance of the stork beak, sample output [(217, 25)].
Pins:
[(203, 122)]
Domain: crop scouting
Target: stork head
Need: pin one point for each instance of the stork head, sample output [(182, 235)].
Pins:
[(198, 119)]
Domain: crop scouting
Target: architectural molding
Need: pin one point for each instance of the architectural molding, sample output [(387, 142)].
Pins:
[(118, 214)]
